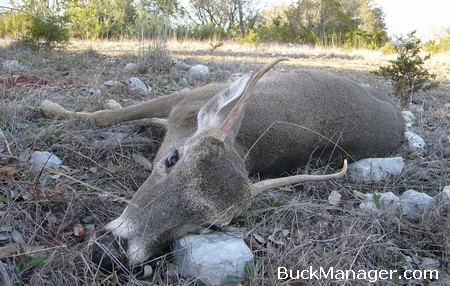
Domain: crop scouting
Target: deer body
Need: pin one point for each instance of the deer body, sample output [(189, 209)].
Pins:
[(200, 174), (300, 115)]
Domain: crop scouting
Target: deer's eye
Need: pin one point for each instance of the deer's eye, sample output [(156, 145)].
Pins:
[(172, 160)]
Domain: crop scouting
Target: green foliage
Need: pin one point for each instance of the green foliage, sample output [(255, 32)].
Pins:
[(249, 38), (12, 24), (251, 271), (387, 49), (26, 265), (275, 28), (35, 25), (440, 44), (362, 39), (199, 32), (115, 17), (351, 24), (83, 22), (407, 73), (45, 33), (346, 23)]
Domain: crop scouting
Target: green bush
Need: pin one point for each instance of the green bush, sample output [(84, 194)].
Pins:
[(199, 32), (441, 45), (12, 24), (251, 37), (387, 49), (407, 73), (358, 38), (83, 22), (49, 32)]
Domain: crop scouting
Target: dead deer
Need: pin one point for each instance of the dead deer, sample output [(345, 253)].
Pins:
[(201, 171)]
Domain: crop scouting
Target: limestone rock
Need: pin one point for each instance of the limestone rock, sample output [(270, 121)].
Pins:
[(415, 143), (378, 202), (198, 71), (212, 257), (41, 159), (375, 170), (413, 202)]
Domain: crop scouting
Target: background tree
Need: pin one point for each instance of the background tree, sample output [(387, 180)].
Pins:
[(153, 17), (83, 20), (326, 22), (227, 15), (348, 23)]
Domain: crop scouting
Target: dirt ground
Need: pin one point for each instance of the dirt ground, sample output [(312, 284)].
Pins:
[(42, 212)]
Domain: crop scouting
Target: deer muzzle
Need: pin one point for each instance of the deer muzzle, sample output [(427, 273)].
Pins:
[(109, 251)]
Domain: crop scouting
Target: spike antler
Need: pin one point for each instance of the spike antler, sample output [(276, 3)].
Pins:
[(233, 116), (292, 180)]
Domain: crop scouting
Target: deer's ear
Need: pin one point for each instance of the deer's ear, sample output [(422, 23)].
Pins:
[(210, 116)]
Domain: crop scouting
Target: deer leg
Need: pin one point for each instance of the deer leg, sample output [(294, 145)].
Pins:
[(155, 108)]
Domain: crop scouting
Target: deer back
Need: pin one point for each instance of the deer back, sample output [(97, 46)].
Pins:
[(299, 115)]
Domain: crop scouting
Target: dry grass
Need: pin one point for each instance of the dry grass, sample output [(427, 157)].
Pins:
[(294, 228)]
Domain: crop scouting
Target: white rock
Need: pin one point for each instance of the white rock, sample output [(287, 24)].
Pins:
[(2, 141), (111, 135), (429, 263), (413, 202), (380, 202), (416, 108), (212, 257), (408, 116), (446, 193), (375, 170), (138, 84), (183, 82), (416, 144), (334, 198), (41, 159), (112, 83), (198, 71), (130, 67), (95, 91), (112, 104), (182, 64), (12, 66)]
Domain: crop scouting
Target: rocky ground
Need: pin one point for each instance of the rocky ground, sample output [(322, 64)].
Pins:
[(47, 216)]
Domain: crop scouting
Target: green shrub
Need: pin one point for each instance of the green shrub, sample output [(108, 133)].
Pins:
[(251, 37), (46, 33), (199, 32), (407, 73), (83, 22), (387, 49), (12, 24), (440, 45)]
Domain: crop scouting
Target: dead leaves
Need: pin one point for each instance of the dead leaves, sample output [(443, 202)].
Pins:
[(23, 79), (9, 171), (17, 249), (335, 198), (144, 162), (78, 230), (279, 238)]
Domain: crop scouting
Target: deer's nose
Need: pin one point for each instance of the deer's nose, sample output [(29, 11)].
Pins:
[(109, 251)]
